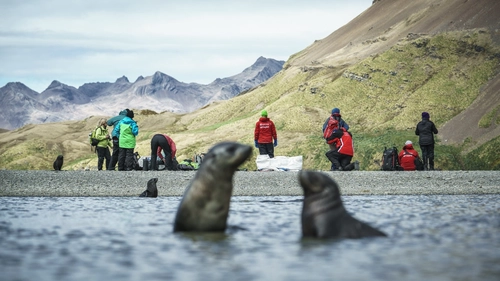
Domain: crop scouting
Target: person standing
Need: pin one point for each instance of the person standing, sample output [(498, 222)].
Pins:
[(116, 146), (407, 157), (425, 131), (126, 131), (102, 135), (264, 134), (336, 115), (163, 142)]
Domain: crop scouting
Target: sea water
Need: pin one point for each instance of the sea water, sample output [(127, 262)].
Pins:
[(432, 237)]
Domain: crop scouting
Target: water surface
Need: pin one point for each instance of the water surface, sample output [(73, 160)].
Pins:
[(440, 237)]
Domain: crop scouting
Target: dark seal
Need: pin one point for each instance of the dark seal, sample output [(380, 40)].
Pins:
[(205, 204), (323, 213), (58, 163), (152, 190)]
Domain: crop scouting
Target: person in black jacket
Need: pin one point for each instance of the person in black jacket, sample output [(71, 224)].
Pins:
[(426, 130)]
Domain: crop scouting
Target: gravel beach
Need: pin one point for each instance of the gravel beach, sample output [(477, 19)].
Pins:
[(246, 183)]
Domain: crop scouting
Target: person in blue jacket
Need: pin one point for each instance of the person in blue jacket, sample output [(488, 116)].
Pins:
[(116, 146), (336, 115), (126, 131)]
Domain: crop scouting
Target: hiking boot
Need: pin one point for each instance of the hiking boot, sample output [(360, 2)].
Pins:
[(356, 165)]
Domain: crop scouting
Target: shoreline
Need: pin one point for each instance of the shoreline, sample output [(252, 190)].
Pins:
[(20, 183)]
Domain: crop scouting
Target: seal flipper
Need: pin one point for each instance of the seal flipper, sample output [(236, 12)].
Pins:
[(353, 228)]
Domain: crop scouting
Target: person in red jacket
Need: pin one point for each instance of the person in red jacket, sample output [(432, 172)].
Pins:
[(264, 134), (341, 151), (163, 142), (407, 157)]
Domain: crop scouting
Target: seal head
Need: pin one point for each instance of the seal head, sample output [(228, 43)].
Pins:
[(151, 190), (205, 204), (323, 213)]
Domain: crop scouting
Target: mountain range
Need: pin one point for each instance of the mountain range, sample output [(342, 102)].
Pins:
[(19, 105)]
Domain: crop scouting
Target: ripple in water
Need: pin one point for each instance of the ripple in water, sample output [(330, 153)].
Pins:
[(430, 237)]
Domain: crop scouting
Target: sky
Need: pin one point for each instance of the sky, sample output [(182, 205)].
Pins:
[(82, 41)]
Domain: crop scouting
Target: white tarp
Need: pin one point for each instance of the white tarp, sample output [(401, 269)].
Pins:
[(279, 163)]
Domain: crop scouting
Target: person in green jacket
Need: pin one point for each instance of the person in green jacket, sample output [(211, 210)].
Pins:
[(102, 150), (113, 121), (126, 131)]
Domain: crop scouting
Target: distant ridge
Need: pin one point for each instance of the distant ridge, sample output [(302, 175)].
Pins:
[(159, 92)]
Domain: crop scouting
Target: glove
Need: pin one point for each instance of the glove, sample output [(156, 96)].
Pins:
[(256, 144), (275, 143)]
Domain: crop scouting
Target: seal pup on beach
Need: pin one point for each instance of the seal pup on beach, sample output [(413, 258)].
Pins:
[(151, 190), (323, 213), (58, 163), (205, 204)]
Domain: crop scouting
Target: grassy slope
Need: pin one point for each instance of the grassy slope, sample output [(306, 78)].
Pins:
[(381, 98)]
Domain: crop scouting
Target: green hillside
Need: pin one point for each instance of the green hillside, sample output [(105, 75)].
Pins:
[(380, 97)]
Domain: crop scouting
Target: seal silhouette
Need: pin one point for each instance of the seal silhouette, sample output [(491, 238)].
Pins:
[(151, 190), (323, 213), (58, 163), (205, 204)]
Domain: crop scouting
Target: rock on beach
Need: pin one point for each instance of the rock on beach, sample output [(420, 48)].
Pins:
[(246, 183)]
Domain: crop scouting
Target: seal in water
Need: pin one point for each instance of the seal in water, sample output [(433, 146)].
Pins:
[(58, 163), (151, 191), (205, 204), (324, 215)]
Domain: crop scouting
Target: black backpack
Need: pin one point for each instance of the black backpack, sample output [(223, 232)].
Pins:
[(136, 165), (390, 159)]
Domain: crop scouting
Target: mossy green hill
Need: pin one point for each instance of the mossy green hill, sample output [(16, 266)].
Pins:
[(381, 91)]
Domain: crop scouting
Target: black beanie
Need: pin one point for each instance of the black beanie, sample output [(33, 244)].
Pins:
[(130, 114)]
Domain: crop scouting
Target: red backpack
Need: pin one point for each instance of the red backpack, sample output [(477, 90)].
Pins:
[(330, 127)]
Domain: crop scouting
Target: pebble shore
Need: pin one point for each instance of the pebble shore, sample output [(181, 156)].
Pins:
[(246, 183)]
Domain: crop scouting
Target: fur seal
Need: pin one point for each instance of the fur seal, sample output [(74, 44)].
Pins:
[(58, 163), (205, 204), (151, 190), (323, 213)]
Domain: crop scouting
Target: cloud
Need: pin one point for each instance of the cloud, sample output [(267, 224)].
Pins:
[(193, 41)]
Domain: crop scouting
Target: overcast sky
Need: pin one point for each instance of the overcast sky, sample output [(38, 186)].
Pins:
[(80, 41)]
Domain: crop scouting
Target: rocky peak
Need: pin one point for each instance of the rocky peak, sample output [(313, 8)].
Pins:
[(122, 79), (161, 78), (16, 86), (54, 84)]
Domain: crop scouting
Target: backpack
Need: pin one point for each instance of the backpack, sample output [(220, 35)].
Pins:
[(187, 165), (92, 138), (419, 165), (135, 164), (330, 127), (390, 159)]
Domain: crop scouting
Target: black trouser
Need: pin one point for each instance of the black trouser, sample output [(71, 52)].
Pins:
[(340, 160), (160, 141), (102, 153), (126, 159), (114, 155), (428, 156), (266, 148)]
